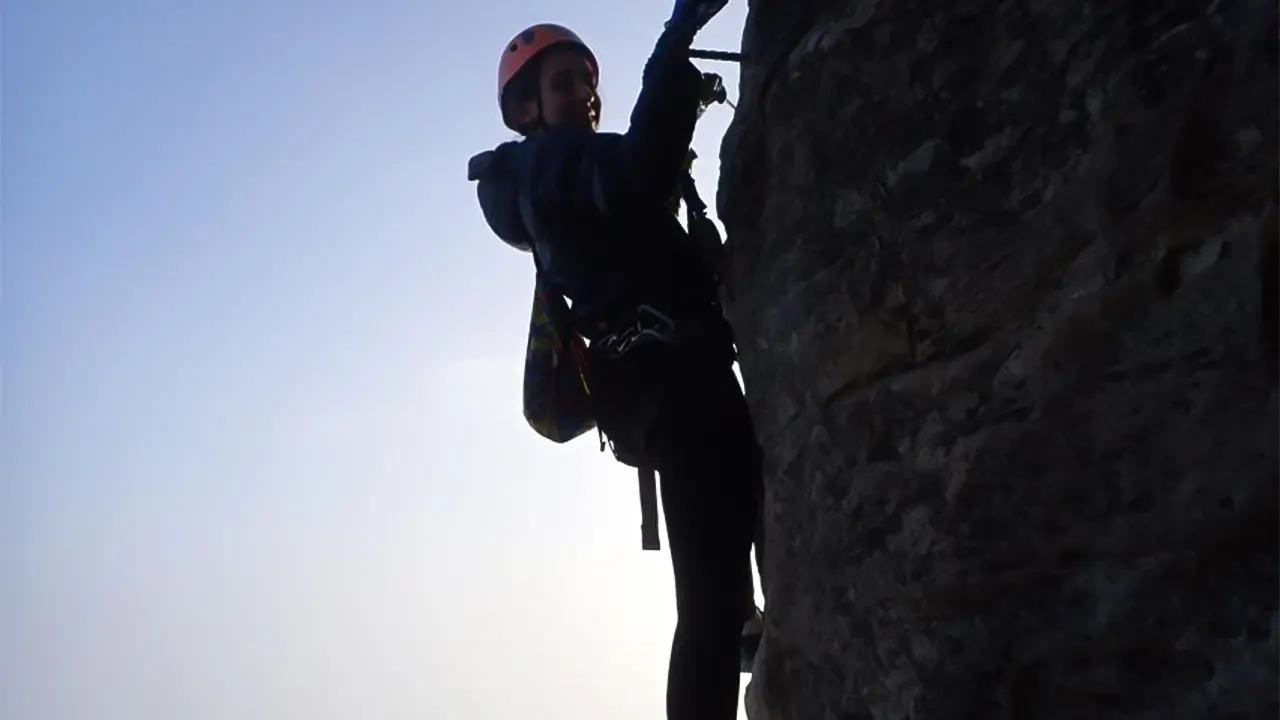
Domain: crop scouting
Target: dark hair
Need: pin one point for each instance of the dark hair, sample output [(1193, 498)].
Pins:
[(525, 87)]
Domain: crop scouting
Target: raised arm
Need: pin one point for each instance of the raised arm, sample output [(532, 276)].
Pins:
[(575, 170)]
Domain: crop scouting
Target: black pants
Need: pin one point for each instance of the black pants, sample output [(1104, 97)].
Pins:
[(709, 468)]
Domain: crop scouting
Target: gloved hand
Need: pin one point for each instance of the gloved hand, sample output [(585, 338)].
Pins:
[(712, 90), (694, 14)]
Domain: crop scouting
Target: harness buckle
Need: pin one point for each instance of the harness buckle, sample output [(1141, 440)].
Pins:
[(650, 325)]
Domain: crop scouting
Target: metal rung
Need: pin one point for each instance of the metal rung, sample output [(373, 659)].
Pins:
[(723, 55)]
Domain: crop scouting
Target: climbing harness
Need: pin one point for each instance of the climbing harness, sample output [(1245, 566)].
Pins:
[(649, 325)]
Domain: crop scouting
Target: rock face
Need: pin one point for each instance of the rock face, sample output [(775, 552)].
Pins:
[(1004, 281)]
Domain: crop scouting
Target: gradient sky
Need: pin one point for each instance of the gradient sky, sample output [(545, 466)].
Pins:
[(263, 452)]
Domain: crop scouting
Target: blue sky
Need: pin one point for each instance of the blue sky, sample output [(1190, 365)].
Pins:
[(263, 452)]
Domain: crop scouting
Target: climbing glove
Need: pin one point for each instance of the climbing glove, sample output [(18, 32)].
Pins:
[(694, 14)]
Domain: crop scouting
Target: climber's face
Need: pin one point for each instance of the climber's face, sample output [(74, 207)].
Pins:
[(568, 87)]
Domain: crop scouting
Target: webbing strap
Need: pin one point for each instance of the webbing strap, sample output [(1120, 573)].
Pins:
[(649, 509)]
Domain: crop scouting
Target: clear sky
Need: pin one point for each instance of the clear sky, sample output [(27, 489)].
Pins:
[(263, 452)]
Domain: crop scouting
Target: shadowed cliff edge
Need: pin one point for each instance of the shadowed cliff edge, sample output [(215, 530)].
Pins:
[(1004, 282)]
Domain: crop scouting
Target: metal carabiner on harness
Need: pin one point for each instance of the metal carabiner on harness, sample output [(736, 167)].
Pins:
[(650, 325)]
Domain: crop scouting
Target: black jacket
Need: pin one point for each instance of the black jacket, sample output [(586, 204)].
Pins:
[(598, 203)]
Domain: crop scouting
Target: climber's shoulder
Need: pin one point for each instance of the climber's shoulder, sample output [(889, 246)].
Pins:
[(565, 141), (572, 168)]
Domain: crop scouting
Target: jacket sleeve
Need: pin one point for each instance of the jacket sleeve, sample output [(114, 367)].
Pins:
[(572, 170)]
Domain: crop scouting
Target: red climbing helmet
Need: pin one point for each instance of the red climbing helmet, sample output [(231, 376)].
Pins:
[(528, 45)]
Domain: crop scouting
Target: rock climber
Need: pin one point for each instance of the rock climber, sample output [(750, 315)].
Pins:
[(593, 209)]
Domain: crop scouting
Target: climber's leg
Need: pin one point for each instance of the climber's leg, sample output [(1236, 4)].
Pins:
[(709, 500)]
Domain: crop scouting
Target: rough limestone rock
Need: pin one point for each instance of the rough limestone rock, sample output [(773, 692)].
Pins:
[(1004, 279)]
